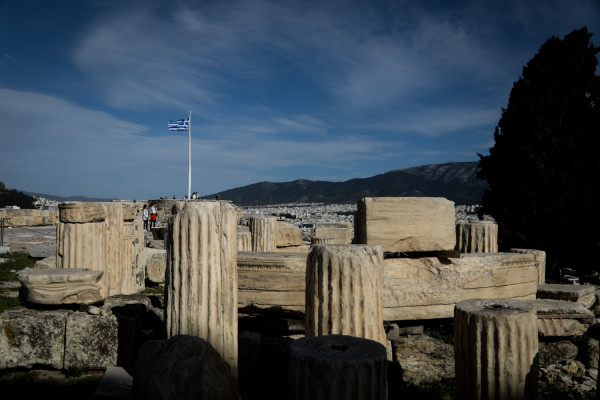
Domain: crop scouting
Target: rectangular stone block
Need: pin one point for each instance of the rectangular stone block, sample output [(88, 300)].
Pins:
[(584, 294), (32, 338), (341, 232), (561, 317), (406, 224), (91, 341)]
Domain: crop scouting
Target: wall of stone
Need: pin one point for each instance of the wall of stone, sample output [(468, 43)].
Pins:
[(28, 217)]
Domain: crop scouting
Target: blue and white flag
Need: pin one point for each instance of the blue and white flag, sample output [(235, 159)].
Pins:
[(179, 125)]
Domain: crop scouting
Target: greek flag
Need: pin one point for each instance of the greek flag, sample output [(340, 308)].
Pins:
[(179, 125)]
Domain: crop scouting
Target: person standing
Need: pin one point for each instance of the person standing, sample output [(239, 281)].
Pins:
[(153, 216), (145, 217)]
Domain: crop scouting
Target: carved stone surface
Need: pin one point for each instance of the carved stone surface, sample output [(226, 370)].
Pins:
[(29, 337), (201, 279), (406, 224), (496, 344), (263, 233), (477, 237), (341, 232), (343, 291), (321, 240), (561, 317), (287, 235), (62, 286), (583, 294), (540, 257), (102, 236), (337, 367), (91, 341), (155, 262), (45, 263), (184, 367), (271, 280), (244, 239)]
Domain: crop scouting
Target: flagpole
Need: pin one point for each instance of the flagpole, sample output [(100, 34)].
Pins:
[(190, 156)]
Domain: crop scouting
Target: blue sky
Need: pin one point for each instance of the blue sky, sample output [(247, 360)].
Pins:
[(279, 90)]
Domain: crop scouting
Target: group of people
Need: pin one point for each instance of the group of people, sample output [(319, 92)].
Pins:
[(149, 216)]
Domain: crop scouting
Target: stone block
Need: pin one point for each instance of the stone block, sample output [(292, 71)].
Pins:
[(31, 338), (583, 294), (81, 212), (62, 286), (287, 235), (341, 232), (43, 251), (154, 262), (561, 317), (406, 224), (45, 263), (91, 341), (540, 257)]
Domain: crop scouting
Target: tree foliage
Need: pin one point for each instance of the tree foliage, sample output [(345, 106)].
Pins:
[(543, 170), (12, 197)]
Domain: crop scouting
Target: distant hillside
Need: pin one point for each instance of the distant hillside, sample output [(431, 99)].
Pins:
[(12, 197), (67, 198), (455, 181)]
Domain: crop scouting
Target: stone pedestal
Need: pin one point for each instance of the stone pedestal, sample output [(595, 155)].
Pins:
[(540, 257), (496, 345), (344, 285), (201, 279), (337, 367), (263, 233), (477, 237), (321, 240)]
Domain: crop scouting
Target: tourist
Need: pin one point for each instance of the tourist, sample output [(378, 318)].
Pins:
[(218, 196), (145, 217), (153, 216)]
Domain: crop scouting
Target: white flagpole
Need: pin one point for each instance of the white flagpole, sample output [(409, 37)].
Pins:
[(190, 156)]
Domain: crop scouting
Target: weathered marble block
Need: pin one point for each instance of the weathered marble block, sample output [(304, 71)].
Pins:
[(263, 233), (201, 280), (287, 235), (43, 251), (583, 294), (344, 284), (406, 224), (244, 240), (337, 367), (91, 341), (341, 232), (62, 286), (561, 318), (32, 338), (540, 257), (495, 349), (477, 237), (155, 263)]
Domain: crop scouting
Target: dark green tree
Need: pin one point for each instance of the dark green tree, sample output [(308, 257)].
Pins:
[(544, 168)]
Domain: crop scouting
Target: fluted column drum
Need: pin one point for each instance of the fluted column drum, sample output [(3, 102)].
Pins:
[(263, 233), (244, 240), (321, 240), (477, 237), (344, 285), (495, 347), (201, 275), (337, 367)]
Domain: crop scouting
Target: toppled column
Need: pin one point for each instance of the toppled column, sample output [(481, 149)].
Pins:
[(344, 285), (102, 236), (201, 279), (263, 233), (495, 347), (477, 237), (337, 367), (321, 240), (540, 258)]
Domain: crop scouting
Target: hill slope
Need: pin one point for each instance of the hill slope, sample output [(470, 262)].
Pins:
[(455, 181)]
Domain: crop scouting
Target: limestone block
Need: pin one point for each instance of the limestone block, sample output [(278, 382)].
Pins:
[(62, 286), (344, 291), (155, 263), (91, 341), (583, 294), (201, 280), (406, 224), (32, 338), (45, 263), (561, 317), (43, 251), (244, 239), (337, 367), (263, 233), (540, 257), (427, 288), (271, 280), (477, 237), (184, 367), (495, 344), (322, 240), (341, 232), (287, 234), (81, 212)]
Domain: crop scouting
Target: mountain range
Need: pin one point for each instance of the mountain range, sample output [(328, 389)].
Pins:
[(456, 181)]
